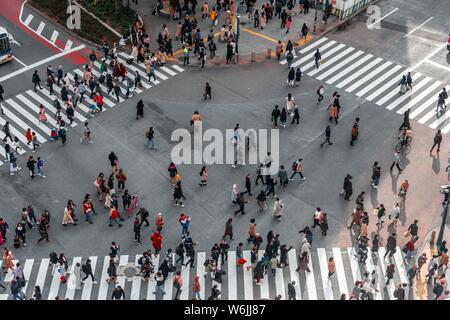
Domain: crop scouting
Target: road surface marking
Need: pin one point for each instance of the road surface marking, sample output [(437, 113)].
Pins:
[(340, 271), (310, 282), (21, 123), (152, 284), (54, 287), (15, 58), (292, 258), (279, 283), (260, 35), (438, 65), (349, 69), (330, 62), (311, 56), (409, 94), (371, 25), (68, 45), (379, 80), (54, 36), (359, 72), (420, 96), (264, 281), (354, 264), (42, 274), (232, 284), (28, 19), (40, 28), (136, 284), (71, 284), (391, 287), (395, 90), (339, 65), (168, 285), (50, 107), (248, 276), (16, 133), (370, 268), (427, 58), (103, 290), (326, 282), (369, 76), (419, 26), (87, 286), (178, 68)]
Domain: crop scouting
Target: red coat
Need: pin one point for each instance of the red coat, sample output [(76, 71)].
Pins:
[(28, 135), (156, 240), (123, 70)]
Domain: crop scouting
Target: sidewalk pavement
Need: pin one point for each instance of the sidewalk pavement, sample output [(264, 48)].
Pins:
[(423, 290), (250, 40)]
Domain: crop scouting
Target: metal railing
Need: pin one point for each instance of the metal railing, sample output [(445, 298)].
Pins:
[(349, 11)]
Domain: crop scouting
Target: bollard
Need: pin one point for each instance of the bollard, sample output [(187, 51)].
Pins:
[(253, 58), (269, 53)]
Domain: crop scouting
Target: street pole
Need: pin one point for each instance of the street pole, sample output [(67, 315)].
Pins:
[(238, 29), (315, 17)]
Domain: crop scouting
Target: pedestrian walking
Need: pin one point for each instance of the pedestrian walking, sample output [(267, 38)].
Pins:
[(156, 239), (275, 115), (437, 141), (139, 110), (376, 173), (320, 92), (331, 267), (36, 80), (317, 58), (178, 284), (355, 132), (297, 168), (396, 162), (327, 136), (228, 229)]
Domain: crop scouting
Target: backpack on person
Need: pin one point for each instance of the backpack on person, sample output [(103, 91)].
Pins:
[(206, 263), (84, 268)]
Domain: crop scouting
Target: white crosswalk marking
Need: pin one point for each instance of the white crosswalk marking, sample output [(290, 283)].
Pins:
[(326, 282), (400, 267), (71, 281), (168, 286), (52, 109), (178, 68), (349, 69), (103, 290), (152, 284), (16, 133), (408, 94), (311, 56), (232, 284), (54, 287), (330, 62), (167, 70), (10, 275), (306, 49), (248, 277), (42, 273), (391, 288), (366, 78), (292, 258), (105, 100), (140, 71), (370, 268), (394, 81), (200, 272), (419, 97), (30, 117), (40, 28), (379, 80), (19, 121), (356, 273), (325, 55), (87, 286), (54, 36), (339, 65), (27, 272), (279, 283), (359, 73), (264, 281), (185, 289), (310, 282), (28, 19), (35, 108), (340, 271), (68, 45), (123, 260), (136, 284), (424, 106), (394, 92)]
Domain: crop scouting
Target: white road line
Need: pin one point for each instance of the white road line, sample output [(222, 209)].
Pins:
[(168, 285), (28, 19), (184, 295), (121, 279), (42, 273), (15, 58), (264, 281), (394, 91), (429, 56), (349, 69), (152, 284), (279, 283), (68, 45), (326, 282), (40, 28), (103, 290), (105, 100), (292, 258), (10, 275), (369, 76), (423, 107), (356, 273), (438, 65), (136, 284), (340, 271), (418, 27), (41, 62), (248, 278), (359, 73), (97, 74), (18, 121), (429, 89), (105, 89), (330, 62), (432, 113), (306, 49), (401, 269), (54, 36), (232, 277), (167, 70), (310, 282), (371, 25), (370, 268), (54, 287), (87, 286), (27, 272), (219, 267), (71, 284), (386, 86), (311, 56), (86, 100), (446, 129), (178, 68), (409, 94), (325, 55), (35, 108), (379, 80), (52, 109), (391, 287), (30, 117), (200, 272), (15, 133), (339, 65)]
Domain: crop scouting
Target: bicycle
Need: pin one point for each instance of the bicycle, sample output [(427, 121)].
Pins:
[(404, 145)]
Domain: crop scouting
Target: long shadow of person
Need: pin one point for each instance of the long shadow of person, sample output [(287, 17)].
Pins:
[(394, 179), (436, 165)]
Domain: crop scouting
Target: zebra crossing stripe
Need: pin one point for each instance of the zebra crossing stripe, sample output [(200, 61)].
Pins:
[(356, 273), (219, 267), (152, 284), (71, 281), (68, 45), (87, 286), (200, 273), (432, 113), (326, 282), (28, 266), (141, 72), (390, 287), (359, 73), (279, 283), (35, 108), (167, 70), (330, 62), (446, 129), (394, 81), (81, 105), (30, 117), (168, 285), (264, 281), (248, 277), (370, 268), (405, 96), (325, 54), (369, 76), (15, 132), (310, 282), (232, 284), (379, 80), (136, 284), (40, 28), (340, 271), (121, 279), (90, 101), (339, 65), (54, 36), (292, 258), (54, 287), (309, 57), (422, 108), (185, 276), (97, 74), (178, 68), (19, 121), (401, 268), (42, 273), (420, 96), (306, 49), (105, 89), (103, 290), (28, 19), (349, 69), (394, 92)]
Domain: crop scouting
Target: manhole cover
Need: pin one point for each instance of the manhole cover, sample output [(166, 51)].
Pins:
[(129, 271)]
